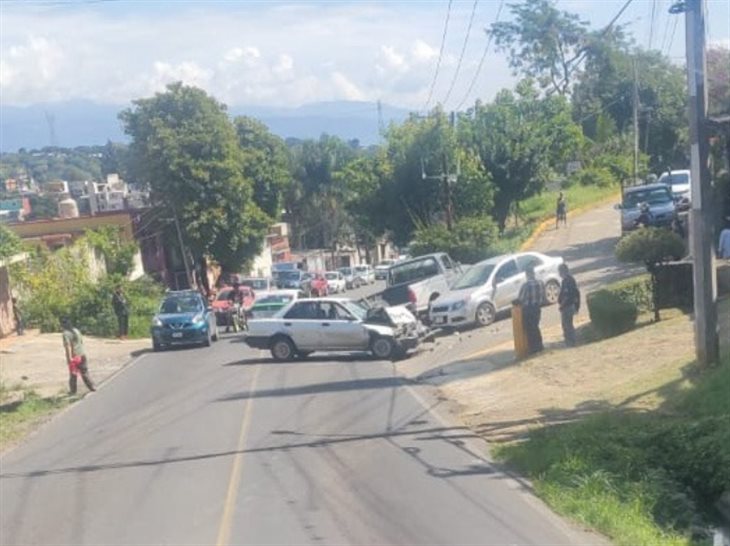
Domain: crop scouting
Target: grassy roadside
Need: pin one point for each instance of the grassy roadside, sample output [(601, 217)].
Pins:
[(20, 416), (639, 477), (541, 207)]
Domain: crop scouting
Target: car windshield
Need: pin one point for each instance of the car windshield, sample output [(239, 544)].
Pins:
[(275, 299), (674, 179), (475, 276), (360, 311), (653, 196), (181, 305), (256, 284), (289, 275), (413, 271)]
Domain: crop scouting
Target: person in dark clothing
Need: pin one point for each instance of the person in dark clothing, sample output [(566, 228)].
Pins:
[(532, 297), (73, 345), (569, 304), (561, 214), (121, 310), (18, 316)]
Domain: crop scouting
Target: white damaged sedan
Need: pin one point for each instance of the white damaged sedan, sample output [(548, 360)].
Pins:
[(335, 324)]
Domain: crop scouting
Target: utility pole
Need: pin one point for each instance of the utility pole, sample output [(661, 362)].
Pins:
[(182, 248), (705, 287), (447, 179), (636, 124)]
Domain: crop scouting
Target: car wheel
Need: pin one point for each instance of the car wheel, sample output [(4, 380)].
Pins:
[(383, 348), (156, 346), (282, 349), (485, 314), (552, 291)]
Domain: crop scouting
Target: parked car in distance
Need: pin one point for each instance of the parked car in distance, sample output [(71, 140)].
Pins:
[(351, 281), (258, 284), (490, 286), (223, 302), (381, 270), (289, 279), (420, 280), (314, 285), (365, 273), (334, 324), (183, 318), (657, 196), (336, 282), (270, 303), (680, 183)]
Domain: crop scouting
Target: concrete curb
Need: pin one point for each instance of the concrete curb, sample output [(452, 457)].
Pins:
[(542, 226)]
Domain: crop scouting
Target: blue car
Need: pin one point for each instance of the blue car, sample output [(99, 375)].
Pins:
[(184, 318)]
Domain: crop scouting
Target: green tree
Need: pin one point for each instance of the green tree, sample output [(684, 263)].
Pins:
[(9, 243), (266, 162), (471, 240), (542, 42), (42, 206), (718, 80), (520, 139), (185, 149), (118, 254)]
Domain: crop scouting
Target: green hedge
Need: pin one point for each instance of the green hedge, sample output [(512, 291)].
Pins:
[(610, 314), (636, 290)]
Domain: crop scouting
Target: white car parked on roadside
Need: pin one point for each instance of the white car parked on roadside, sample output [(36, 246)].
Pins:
[(491, 286), (335, 281)]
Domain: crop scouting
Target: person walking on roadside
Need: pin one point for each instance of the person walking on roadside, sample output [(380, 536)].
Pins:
[(73, 344), (532, 296), (18, 316), (723, 247), (121, 310), (569, 303), (561, 214)]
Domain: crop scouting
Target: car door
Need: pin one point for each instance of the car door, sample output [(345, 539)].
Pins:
[(301, 323), (508, 281), (532, 260), (340, 330)]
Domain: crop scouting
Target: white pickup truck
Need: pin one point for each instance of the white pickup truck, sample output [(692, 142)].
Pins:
[(420, 281)]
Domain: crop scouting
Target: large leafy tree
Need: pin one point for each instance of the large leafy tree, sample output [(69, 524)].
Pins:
[(266, 162), (542, 43), (718, 80), (9, 243), (185, 149), (520, 139)]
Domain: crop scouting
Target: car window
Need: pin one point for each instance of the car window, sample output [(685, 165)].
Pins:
[(305, 310), (332, 311), (506, 270), (653, 196), (447, 262), (414, 271), (527, 260), (181, 305)]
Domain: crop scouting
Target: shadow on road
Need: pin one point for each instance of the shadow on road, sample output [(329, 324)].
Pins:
[(320, 359)]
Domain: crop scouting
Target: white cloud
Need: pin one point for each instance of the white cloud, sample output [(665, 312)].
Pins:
[(346, 88), (392, 58), (284, 65), (422, 52)]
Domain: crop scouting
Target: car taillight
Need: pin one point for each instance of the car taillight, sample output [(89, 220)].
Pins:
[(411, 296)]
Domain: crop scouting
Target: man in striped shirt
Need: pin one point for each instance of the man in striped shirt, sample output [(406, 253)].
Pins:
[(532, 296)]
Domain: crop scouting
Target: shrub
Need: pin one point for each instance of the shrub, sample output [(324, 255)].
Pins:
[(636, 290), (595, 176), (650, 246), (610, 314), (470, 240)]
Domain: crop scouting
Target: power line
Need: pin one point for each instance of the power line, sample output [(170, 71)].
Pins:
[(481, 61), (441, 53), (671, 39), (667, 24), (651, 24), (463, 50)]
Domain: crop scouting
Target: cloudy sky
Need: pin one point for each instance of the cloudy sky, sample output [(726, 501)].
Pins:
[(280, 53)]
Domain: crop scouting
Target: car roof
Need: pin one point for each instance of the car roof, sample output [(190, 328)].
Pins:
[(634, 189)]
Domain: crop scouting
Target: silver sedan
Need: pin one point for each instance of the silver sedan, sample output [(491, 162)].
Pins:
[(491, 286)]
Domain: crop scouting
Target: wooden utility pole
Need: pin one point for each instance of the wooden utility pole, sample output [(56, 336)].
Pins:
[(636, 124), (184, 254), (705, 286)]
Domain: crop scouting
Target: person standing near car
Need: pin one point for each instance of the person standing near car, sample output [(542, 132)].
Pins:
[(121, 310), (73, 345), (532, 296), (569, 303), (561, 214)]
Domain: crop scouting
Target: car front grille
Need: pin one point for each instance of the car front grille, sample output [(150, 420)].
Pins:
[(440, 309), (178, 325)]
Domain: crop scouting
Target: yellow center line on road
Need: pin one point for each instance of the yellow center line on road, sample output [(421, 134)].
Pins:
[(224, 529)]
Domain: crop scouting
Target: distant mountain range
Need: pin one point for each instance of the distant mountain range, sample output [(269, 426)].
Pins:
[(80, 123)]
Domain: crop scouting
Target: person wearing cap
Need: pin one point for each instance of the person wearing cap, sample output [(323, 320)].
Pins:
[(532, 297), (73, 345)]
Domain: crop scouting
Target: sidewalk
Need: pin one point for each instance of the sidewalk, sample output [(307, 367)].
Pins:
[(37, 361)]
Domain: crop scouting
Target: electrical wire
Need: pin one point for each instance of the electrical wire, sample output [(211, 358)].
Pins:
[(481, 61), (667, 24), (670, 43), (441, 54), (463, 50), (651, 23)]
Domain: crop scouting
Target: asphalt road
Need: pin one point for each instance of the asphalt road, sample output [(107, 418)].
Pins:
[(221, 446)]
